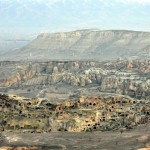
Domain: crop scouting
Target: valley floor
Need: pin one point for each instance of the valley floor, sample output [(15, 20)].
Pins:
[(135, 139)]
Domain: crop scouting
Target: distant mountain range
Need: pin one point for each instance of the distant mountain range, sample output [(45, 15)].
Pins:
[(7, 45), (85, 44)]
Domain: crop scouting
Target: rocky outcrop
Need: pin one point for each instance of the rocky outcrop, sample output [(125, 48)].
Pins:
[(123, 77), (104, 112), (85, 44), (15, 74)]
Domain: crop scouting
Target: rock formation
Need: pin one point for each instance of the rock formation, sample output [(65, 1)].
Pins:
[(105, 112), (85, 44), (121, 77)]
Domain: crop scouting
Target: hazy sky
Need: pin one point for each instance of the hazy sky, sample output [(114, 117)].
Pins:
[(30, 16)]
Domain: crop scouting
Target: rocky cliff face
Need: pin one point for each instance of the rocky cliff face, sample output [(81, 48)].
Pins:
[(73, 77), (74, 96), (85, 44), (104, 113)]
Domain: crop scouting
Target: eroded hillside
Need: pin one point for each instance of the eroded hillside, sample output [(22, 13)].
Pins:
[(104, 113), (65, 79), (74, 96), (85, 44)]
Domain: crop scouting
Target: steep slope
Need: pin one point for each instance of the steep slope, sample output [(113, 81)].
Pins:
[(64, 79), (101, 113), (86, 44)]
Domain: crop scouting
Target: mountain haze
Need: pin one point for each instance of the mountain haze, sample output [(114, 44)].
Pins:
[(86, 44)]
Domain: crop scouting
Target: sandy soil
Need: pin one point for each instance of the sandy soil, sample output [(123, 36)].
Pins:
[(134, 139)]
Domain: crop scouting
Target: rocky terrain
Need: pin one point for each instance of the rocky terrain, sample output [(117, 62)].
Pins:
[(105, 112), (75, 96), (64, 79), (135, 139), (85, 44)]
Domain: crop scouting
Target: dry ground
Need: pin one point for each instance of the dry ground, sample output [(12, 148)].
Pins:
[(134, 139)]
